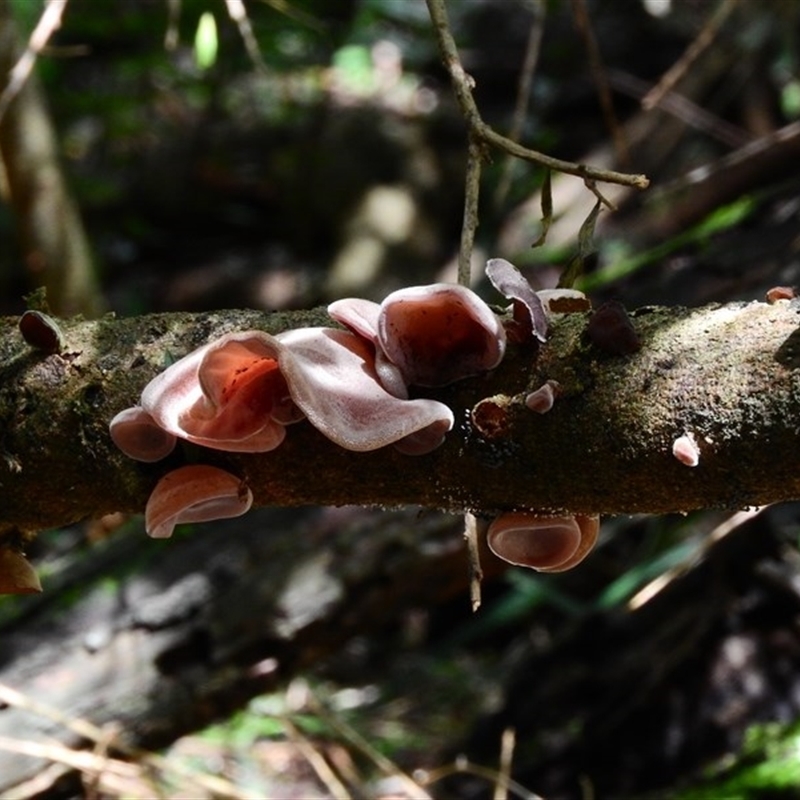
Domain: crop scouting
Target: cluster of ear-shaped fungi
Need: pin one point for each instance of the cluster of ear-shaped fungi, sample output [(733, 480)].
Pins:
[(240, 393)]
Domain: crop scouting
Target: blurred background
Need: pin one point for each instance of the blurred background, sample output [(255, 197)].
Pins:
[(279, 154)]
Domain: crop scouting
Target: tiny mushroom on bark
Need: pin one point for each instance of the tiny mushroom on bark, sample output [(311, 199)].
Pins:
[(610, 329), (685, 449), (777, 293), (194, 493), (41, 331), (542, 399), (546, 544)]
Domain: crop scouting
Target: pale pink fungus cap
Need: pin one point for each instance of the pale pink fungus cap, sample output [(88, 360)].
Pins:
[(332, 378), (685, 449), (361, 317), (228, 395), (138, 435), (357, 314), (439, 334), (542, 399), (511, 283), (194, 493), (546, 544)]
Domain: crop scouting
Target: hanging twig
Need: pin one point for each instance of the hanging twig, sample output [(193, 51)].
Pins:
[(481, 134), (472, 188), (463, 85), (473, 553)]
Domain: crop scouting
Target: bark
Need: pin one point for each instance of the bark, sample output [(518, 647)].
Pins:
[(726, 374), (159, 640)]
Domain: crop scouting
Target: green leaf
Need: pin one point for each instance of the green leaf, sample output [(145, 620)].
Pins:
[(206, 41)]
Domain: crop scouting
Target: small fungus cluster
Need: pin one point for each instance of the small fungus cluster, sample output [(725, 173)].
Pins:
[(240, 393)]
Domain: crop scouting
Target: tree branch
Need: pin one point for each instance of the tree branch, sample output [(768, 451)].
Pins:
[(726, 374)]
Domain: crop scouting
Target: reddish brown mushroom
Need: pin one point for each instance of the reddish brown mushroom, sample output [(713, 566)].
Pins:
[(439, 334), (546, 544), (194, 493)]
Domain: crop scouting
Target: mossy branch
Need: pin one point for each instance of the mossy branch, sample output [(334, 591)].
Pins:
[(730, 375)]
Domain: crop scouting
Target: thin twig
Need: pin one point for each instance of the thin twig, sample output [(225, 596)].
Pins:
[(463, 85), (463, 766), (682, 108), (584, 26), (556, 164), (317, 761), (172, 34), (473, 553), (354, 738), (472, 189), (87, 730), (238, 13), (657, 585), (690, 55), (48, 23), (507, 743)]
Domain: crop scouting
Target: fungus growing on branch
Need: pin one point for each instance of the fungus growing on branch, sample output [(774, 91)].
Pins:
[(194, 493), (227, 395), (426, 335), (541, 400), (528, 311), (138, 435), (332, 378), (685, 449), (546, 544), (610, 329)]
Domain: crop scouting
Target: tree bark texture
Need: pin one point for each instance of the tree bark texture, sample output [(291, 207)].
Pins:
[(161, 638), (728, 375)]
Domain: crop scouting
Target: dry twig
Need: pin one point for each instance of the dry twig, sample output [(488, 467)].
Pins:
[(483, 134)]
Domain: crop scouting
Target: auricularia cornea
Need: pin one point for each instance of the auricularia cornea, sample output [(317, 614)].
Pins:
[(543, 543), (194, 493), (239, 393), (528, 313), (426, 335)]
